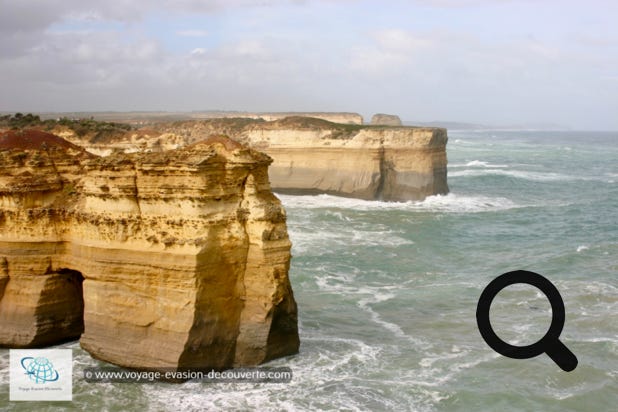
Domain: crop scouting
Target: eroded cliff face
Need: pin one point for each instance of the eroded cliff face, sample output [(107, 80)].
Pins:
[(373, 163), (316, 156), (180, 257)]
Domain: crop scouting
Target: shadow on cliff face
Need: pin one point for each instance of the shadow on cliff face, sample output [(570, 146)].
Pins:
[(65, 321), (42, 309)]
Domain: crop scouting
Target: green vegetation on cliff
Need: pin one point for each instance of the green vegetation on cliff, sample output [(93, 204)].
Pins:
[(93, 129)]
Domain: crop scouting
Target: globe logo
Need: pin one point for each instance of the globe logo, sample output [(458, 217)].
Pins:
[(39, 370)]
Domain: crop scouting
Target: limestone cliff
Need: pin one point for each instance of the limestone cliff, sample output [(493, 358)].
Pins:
[(386, 163), (163, 259), (316, 156)]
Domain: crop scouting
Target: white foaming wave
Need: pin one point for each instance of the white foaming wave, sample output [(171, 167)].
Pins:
[(324, 201), (428, 361), (612, 177), (518, 174), (450, 203), (375, 317), (327, 355), (495, 170), (303, 241), (462, 141), (581, 248), (356, 390), (325, 362), (195, 396), (592, 301), (477, 163), (438, 369), (591, 287), (326, 284), (345, 285), (339, 216), (376, 238), (613, 340)]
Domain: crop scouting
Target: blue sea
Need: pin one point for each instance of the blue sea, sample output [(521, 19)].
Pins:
[(387, 292)]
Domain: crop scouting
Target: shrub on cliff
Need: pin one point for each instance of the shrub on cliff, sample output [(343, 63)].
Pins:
[(95, 130), (19, 120)]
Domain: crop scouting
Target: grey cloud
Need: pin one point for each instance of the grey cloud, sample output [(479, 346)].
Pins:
[(74, 58), (36, 15), (29, 16), (23, 23)]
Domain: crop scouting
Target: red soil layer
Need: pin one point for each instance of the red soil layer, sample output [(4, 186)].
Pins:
[(33, 140)]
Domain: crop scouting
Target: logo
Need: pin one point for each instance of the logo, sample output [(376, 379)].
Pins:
[(550, 343), (41, 374), (39, 370)]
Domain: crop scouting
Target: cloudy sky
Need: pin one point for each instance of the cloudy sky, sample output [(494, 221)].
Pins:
[(499, 62)]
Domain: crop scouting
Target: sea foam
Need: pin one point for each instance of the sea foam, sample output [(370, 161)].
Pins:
[(449, 203)]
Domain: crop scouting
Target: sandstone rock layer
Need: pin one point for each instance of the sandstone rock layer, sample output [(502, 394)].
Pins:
[(373, 163), (317, 156), (176, 258)]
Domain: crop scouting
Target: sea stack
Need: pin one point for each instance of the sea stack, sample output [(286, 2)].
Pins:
[(381, 119), (157, 260)]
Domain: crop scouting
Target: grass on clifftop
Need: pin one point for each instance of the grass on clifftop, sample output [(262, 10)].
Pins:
[(339, 130), (95, 130)]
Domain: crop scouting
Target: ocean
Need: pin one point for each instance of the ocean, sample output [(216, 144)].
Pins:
[(387, 292)]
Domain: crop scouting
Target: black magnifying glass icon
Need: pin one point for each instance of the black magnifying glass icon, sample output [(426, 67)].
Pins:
[(550, 343)]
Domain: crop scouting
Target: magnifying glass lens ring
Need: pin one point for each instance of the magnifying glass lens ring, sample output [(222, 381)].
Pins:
[(511, 278)]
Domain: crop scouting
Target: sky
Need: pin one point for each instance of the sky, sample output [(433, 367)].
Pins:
[(496, 62)]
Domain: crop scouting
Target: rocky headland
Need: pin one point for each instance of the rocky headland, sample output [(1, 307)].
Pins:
[(310, 156), (165, 259)]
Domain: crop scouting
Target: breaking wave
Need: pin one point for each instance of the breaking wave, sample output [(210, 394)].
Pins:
[(450, 203)]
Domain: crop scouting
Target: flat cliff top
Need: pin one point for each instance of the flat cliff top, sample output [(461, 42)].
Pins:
[(235, 126), (275, 114), (291, 122), (300, 122)]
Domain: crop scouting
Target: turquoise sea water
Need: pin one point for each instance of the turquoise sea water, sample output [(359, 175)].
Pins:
[(387, 292)]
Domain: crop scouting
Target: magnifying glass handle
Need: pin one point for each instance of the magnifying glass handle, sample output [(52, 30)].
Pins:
[(564, 358)]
